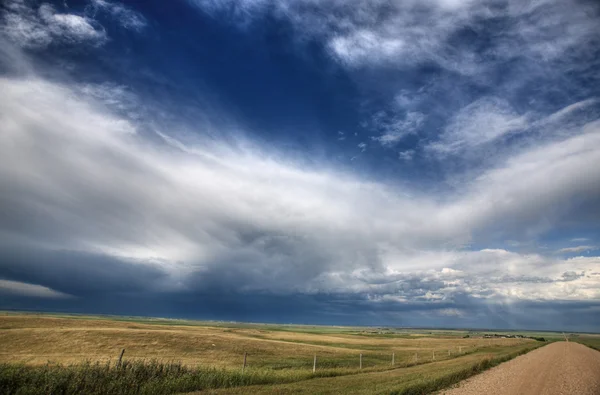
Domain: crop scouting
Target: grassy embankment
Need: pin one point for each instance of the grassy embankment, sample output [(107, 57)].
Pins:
[(44, 355), (421, 379), (156, 378), (592, 341)]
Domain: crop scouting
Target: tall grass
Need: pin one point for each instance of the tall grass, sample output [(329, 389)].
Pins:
[(152, 377), (138, 377), (143, 377), (428, 385), (591, 342)]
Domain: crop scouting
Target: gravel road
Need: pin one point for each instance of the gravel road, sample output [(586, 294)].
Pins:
[(564, 368)]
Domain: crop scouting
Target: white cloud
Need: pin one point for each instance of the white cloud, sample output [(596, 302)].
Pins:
[(125, 16), (394, 128), (28, 26), (494, 276), (412, 32), (70, 27), (23, 26), (578, 249), (550, 37), (562, 116), (32, 26), (537, 186), (396, 33), (407, 155), (17, 288), (477, 41), (361, 46), (451, 312), (118, 98), (579, 239), (75, 176), (486, 131), (481, 122)]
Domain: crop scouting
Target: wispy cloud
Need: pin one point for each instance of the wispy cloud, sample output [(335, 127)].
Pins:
[(125, 16), (29, 290), (31, 26), (579, 239), (406, 155), (485, 133), (105, 194), (476, 41), (578, 249), (294, 230), (394, 128), (382, 33), (36, 26), (481, 122)]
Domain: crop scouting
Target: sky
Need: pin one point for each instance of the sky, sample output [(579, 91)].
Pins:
[(430, 163)]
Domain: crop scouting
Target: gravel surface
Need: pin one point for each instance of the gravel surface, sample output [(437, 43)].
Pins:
[(564, 368)]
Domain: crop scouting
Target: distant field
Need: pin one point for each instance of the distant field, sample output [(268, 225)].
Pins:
[(589, 340), (34, 345)]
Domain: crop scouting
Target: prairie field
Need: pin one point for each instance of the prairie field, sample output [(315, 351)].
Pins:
[(168, 356), (590, 340)]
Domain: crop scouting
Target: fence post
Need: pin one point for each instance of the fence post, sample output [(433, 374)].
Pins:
[(120, 358), (393, 357), (315, 364), (361, 360), (244, 365), (433, 355)]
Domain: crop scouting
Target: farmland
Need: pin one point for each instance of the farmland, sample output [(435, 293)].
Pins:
[(592, 341), (187, 356)]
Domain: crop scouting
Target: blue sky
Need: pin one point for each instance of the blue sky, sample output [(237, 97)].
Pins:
[(410, 163)]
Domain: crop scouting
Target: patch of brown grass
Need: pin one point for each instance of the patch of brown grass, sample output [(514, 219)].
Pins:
[(39, 339)]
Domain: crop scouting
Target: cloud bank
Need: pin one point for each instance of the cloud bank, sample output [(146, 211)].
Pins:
[(100, 199), (33, 25), (249, 223)]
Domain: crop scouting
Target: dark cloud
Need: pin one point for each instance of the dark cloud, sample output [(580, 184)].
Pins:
[(572, 276), (110, 203), (80, 274)]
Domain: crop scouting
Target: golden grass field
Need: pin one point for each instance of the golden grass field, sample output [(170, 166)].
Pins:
[(280, 357), (39, 339)]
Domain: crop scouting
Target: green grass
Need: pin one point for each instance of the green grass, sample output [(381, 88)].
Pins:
[(430, 385), (154, 377), (592, 341), (279, 356), (138, 377), (417, 379)]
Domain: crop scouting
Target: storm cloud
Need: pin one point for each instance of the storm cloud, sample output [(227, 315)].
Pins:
[(108, 205)]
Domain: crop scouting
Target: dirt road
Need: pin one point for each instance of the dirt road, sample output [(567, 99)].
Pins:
[(558, 368)]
